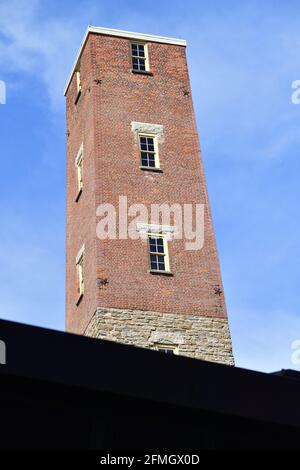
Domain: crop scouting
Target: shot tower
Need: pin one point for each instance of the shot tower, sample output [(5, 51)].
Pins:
[(132, 137)]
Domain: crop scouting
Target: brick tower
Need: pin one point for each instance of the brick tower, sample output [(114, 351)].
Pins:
[(132, 139)]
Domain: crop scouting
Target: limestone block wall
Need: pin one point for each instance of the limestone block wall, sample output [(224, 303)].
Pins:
[(198, 337)]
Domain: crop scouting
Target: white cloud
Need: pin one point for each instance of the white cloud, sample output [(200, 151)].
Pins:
[(43, 47)]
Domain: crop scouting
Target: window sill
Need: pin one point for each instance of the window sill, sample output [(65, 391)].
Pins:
[(78, 195), (150, 168), (79, 299), (164, 273), (77, 97), (142, 72)]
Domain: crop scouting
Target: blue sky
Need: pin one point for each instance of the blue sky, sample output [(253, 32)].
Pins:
[(243, 58)]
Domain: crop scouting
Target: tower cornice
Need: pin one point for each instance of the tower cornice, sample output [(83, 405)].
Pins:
[(123, 34)]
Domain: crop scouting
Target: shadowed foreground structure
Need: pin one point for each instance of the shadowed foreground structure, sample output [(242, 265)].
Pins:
[(60, 390)]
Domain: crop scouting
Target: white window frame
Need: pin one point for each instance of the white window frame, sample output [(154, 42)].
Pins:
[(174, 347), (78, 81), (147, 63), (156, 151), (165, 254), (79, 171), (80, 273)]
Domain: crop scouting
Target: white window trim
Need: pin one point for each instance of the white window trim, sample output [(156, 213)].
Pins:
[(156, 151), (79, 154), (165, 254), (147, 63), (79, 171), (80, 273), (147, 58), (78, 81), (80, 254), (173, 347)]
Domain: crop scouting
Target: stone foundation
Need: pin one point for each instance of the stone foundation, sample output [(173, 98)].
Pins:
[(197, 337)]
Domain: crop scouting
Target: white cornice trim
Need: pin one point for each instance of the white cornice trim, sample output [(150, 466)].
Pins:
[(134, 35), (123, 34)]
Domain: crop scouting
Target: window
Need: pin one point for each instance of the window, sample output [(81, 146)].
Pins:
[(79, 170), (139, 56), (167, 348), (158, 252), (78, 82), (149, 151), (78, 86), (80, 273)]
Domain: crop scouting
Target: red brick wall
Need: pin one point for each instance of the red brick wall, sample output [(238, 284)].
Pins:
[(102, 119), (81, 217)]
